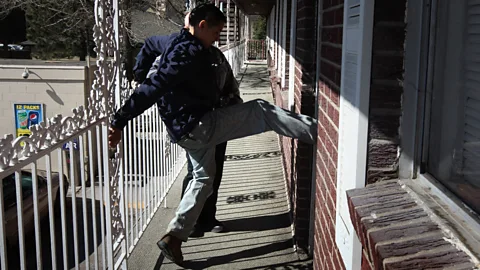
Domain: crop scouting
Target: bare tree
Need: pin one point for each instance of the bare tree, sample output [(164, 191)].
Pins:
[(67, 24), (73, 12)]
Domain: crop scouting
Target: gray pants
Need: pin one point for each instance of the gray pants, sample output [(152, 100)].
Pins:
[(238, 121)]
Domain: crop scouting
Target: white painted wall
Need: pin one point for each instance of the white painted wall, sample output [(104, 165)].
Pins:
[(58, 88)]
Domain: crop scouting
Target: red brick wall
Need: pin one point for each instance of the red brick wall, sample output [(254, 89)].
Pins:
[(386, 90), (385, 94), (297, 157), (387, 68), (301, 163), (286, 143), (326, 253)]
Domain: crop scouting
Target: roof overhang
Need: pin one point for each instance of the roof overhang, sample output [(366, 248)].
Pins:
[(256, 7)]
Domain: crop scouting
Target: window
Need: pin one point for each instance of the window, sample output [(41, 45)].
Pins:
[(452, 153)]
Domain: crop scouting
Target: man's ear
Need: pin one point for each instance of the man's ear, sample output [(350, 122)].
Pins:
[(202, 24)]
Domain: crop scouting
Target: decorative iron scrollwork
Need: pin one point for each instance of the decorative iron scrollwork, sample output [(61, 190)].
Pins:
[(110, 81)]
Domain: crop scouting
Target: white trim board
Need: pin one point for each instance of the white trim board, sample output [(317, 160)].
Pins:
[(284, 43), (416, 59), (353, 130)]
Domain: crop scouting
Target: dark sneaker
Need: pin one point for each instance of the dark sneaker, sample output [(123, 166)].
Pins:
[(218, 228), (215, 227), (200, 229), (197, 232)]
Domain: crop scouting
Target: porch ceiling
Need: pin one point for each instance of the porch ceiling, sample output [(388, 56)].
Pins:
[(256, 7)]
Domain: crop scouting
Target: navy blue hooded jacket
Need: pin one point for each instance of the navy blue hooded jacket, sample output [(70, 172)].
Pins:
[(184, 87)]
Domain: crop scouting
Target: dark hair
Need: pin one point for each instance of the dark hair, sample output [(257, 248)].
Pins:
[(208, 12)]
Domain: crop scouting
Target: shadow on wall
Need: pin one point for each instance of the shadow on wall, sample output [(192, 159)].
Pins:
[(50, 92)]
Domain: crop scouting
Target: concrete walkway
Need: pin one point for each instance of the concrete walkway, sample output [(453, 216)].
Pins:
[(252, 203)]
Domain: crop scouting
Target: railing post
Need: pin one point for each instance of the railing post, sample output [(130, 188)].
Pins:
[(217, 5), (104, 72), (121, 89), (228, 22), (111, 82), (235, 23), (247, 38)]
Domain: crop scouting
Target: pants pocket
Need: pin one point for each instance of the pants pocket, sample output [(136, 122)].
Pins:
[(202, 133)]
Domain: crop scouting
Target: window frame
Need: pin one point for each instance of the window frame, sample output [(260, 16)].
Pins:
[(420, 51), (419, 89)]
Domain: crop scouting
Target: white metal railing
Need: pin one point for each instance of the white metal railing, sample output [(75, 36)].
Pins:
[(256, 50), (60, 180), (235, 54), (67, 200), (151, 164), (51, 202), (62, 192)]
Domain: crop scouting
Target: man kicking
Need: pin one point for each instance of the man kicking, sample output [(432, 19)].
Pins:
[(182, 90)]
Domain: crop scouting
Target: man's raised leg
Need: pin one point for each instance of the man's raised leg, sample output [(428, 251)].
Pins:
[(251, 118)]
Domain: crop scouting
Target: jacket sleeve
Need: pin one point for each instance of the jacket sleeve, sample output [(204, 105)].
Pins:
[(174, 67), (153, 47)]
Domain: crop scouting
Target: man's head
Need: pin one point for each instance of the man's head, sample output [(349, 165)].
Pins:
[(206, 22)]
